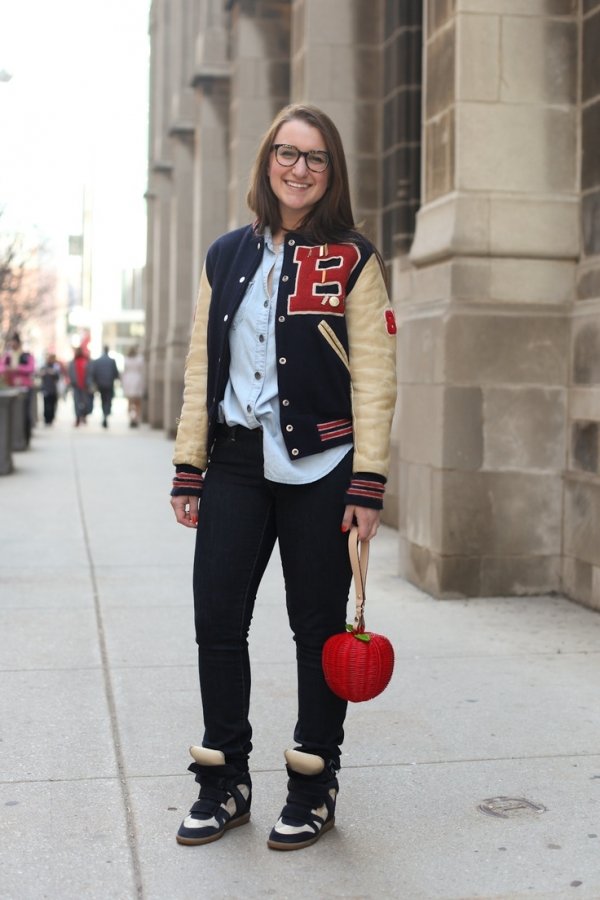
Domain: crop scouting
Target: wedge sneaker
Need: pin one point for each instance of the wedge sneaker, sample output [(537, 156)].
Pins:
[(310, 806), (224, 799)]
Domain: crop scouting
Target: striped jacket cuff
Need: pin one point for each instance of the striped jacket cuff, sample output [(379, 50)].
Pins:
[(188, 482), (366, 489)]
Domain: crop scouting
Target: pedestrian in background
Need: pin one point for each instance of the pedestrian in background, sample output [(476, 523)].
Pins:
[(104, 375), (17, 366), (50, 375), (285, 432), (80, 376), (133, 384)]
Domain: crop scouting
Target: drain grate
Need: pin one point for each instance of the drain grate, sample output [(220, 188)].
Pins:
[(510, 807)]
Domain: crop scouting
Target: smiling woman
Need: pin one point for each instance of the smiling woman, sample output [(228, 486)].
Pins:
[(284, 433)]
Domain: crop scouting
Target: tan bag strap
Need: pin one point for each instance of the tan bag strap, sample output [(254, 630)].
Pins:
[(359, 560)]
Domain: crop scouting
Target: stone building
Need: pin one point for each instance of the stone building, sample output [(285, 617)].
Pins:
[(472, 131)]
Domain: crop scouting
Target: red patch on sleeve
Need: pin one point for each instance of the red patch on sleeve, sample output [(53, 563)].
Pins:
[(390, 321)]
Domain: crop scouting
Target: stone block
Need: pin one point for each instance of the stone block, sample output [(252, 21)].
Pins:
[(537, 60), (524, 428), (577, 580), (533, 227), (439, 94), (455, 224), (490, 349), (585, 446), (584, 403), (515, 147), (590, 159), (439, 156), (533, 281), (330, 23), (421, 418), (588, 281), (421, 350), (590, 220), (586, 352), (520, 7), (496, 513), (439, 13), (462, 428), (590, 71), (582, 519), (478, 56), (415, 503), (511, 576)]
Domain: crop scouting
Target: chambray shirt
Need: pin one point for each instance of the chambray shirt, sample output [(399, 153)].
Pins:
[(251, 397)]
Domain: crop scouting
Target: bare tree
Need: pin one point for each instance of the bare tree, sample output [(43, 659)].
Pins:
[(27, 284)]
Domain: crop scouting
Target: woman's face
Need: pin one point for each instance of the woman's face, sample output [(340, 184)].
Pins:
[(297, 187)]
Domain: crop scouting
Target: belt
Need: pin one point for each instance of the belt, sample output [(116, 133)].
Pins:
[(237, 432)]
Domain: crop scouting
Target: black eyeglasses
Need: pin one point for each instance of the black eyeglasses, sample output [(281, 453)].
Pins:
[(288, 155)]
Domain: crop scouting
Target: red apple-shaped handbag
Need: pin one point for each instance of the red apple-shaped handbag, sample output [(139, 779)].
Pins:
[(358, 664)]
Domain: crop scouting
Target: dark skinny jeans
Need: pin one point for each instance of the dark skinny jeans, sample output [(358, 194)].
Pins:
[(241, 516)]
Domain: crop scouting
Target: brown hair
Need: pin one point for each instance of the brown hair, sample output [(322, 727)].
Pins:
[(331, 218)]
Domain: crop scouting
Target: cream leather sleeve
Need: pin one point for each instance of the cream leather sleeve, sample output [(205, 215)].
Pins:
[(372, 370), (190, 442)]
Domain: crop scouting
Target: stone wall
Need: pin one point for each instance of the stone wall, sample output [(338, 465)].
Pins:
[(486, 300), (581, 570)]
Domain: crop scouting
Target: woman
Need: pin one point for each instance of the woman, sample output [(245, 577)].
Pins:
[(288, 401), (133, 384)]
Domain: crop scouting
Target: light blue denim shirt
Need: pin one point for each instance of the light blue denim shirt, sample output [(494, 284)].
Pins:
[(251, 394)]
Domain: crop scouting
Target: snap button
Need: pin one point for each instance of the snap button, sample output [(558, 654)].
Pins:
[(282, 360), (289, 427), (286, 278), (281, 318), (334, 301), (292, 242), (285, 402), (295, 452)]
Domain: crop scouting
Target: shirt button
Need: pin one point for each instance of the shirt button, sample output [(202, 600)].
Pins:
[(295, 451), (257, 375), (282, 360), (286, 278), (225, 318), (281, 319), (249, 408), (285, 402), (289, 427), (266, 303), (243, 278), (261, 338), (292, 242)]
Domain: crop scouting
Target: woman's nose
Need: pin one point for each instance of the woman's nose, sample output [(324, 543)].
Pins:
[(300, 166)]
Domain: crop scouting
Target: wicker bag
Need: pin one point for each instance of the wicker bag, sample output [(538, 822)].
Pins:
[(358, 664)]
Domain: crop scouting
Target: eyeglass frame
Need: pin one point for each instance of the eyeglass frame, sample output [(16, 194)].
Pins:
[(305, 154)]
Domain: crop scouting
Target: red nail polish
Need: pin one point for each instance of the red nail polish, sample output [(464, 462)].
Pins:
[(345, 528)]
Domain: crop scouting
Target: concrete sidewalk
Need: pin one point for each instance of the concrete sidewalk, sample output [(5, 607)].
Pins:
[(99, 702)]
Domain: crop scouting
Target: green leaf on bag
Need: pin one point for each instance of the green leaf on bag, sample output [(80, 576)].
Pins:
[(349, 628), (365, 636)]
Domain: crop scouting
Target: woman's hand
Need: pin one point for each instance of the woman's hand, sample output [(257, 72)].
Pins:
[(366, 519), (186, 510)]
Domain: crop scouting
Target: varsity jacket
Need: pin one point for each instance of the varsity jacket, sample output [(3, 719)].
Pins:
[(335, 347)]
